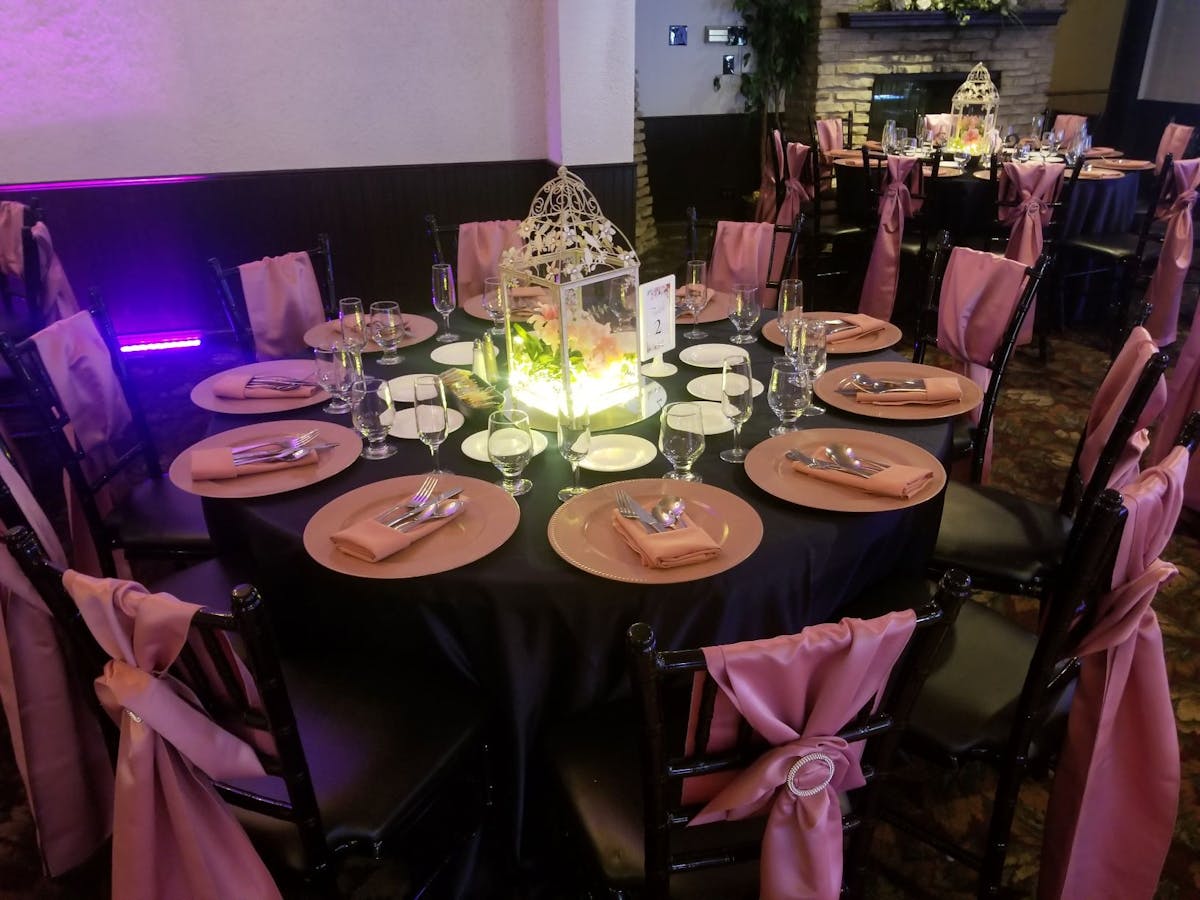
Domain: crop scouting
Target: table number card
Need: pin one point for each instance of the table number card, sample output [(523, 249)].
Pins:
[(656, 317)]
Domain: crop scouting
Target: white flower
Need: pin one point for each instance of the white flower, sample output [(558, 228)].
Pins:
[(924, 4)]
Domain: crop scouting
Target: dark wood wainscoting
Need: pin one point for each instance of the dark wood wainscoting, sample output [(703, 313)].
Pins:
[(145, 245), (710, 162)]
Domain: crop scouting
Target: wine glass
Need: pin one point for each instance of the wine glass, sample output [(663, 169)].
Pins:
[(681, 439), (387, 330), (737, 401), (430, 416), (695, 292), (336, 371), (371, 412), (788, 394), (900, 139), (353, 322), (963, 157), (791, 303), (744, 310), (1037, 123), (510, 447), (1049, 142), (813, 356), (493, 304), (443, 298), (574, 441)]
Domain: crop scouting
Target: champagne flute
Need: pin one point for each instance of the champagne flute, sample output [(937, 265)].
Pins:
[(430, 416), (353, 322), (1037, 123), (695, 293), (574, 441), (788, 394), (387, 330), (681, 439), (737, 401), (443, 298), (744, 311), (791, 303), (493, 304), (813, 356), (510, 447), (371, 411), (335, 373)]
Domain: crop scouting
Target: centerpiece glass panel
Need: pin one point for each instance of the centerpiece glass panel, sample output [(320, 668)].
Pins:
[(571, 312), (974, 108)]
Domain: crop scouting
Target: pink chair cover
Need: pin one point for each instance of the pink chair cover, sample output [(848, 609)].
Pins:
[(829, 134), (57, 743), (742, 255), (1116, 786), (1070, 126), (58, 300), (1035, 186), (797, 692), (12, 253), (1108, 404), (979, 296), (283, 301), (883, 272), (1183, 396), (479, 247), (1166, 285), (173, 836), (797, 191), (772, 166), (941, 124), (1175, 139)]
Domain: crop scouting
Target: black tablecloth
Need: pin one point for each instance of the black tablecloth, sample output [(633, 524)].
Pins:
[(540, 637)]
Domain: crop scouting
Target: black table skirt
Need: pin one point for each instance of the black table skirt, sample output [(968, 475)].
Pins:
[(541, 638)]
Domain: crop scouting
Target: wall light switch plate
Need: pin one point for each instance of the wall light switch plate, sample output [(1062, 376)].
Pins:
[(677, 35)]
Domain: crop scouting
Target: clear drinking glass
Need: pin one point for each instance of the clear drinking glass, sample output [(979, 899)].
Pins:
[(371, 412), (737, 401), (788, 394), (791, 304), (443, 298), (681, 439), (493, 304), (336, 371), (901, 138), (510, 447), (813, 356), (387, 330), (1037, 123), (574, 441), (695, 292), (353, 321), (744, 312), (430, 417)]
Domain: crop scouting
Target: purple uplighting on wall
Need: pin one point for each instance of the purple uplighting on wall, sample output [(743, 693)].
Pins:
[(101, 182), (158, 340)]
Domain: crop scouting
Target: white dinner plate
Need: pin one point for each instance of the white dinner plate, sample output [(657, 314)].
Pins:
[(402, 387), (713, 419), (404, 423), (618, 453), (475, 445), (459, 354), (709, 356), (708, 387)]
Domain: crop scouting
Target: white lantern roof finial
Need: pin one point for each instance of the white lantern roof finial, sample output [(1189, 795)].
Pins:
[(977, 90)]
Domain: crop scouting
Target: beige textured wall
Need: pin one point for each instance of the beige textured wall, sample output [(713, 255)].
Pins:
[(1084, 54)]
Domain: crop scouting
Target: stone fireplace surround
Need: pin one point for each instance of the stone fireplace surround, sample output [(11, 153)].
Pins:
[(839, 78)]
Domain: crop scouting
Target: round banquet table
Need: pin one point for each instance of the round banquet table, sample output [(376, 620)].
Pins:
[(540, 637)]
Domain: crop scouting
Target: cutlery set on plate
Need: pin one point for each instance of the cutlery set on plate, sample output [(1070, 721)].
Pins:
[(839, 458), (666, 514), (284, 449), (281, 383), (857, 383), (423, 506)]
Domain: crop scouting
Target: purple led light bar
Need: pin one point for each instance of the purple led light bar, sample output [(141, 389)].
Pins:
[(100, 182), (158, 340)]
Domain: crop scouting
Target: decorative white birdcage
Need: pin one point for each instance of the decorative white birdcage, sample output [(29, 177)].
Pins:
[(571, 306), (974, 107)]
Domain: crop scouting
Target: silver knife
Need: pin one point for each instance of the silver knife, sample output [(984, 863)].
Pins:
[(645, 518), (420, 509)]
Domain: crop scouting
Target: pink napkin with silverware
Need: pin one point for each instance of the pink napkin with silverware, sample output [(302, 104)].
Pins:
[(667, 549), (894, 481), (937, 390), (373, 541), (237, 387), (860, 325), (216, 464)]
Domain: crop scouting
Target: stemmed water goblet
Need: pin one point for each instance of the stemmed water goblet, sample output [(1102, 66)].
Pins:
[(737, 402), (901, 139), (744, 312), (493, 304), (695, 293), (443, 298), (510, 447), (371, 412), (681, 439), (387, 330), (788, 394), (336, 371), (430, 418), (813, 356), (574, 441)]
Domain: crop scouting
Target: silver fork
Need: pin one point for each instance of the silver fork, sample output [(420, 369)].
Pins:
[(625, 508), (419, 498), (277, 446), (813, 463)]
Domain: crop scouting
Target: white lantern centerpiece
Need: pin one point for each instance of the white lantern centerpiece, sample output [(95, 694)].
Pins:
[(974, 107), (571, 312)]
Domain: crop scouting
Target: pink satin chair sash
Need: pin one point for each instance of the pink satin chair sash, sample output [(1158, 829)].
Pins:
[(1036, 187), (1070, 126), (772, 174), (283, 301), (1116, 787), (480, 245), (173, 836), (796, 190), (1183, 396), (797, 692), (12, 252), (1166, 285), (883, 271), (941, 124), (742, 255), (1175, 140)]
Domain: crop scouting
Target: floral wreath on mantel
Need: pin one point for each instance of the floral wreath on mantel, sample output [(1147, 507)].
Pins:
[(960, 9)]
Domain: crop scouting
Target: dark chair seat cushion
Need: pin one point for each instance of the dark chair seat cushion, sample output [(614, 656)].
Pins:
[(209, 583), (1119, 246), (158, 516), (998, 537), (837, 228)]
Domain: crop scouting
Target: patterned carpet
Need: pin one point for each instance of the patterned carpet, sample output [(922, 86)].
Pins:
[(1038, 424)]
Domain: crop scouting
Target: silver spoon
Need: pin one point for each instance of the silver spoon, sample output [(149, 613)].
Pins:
[(285, 456), (668, 510), (878, 386), (442, 510)]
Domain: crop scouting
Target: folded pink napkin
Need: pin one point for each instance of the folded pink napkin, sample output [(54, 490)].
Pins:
[(667, 549), (216, 464), (937, 390), (373, 541), (863, 324), (894, 481), (236, 387)]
